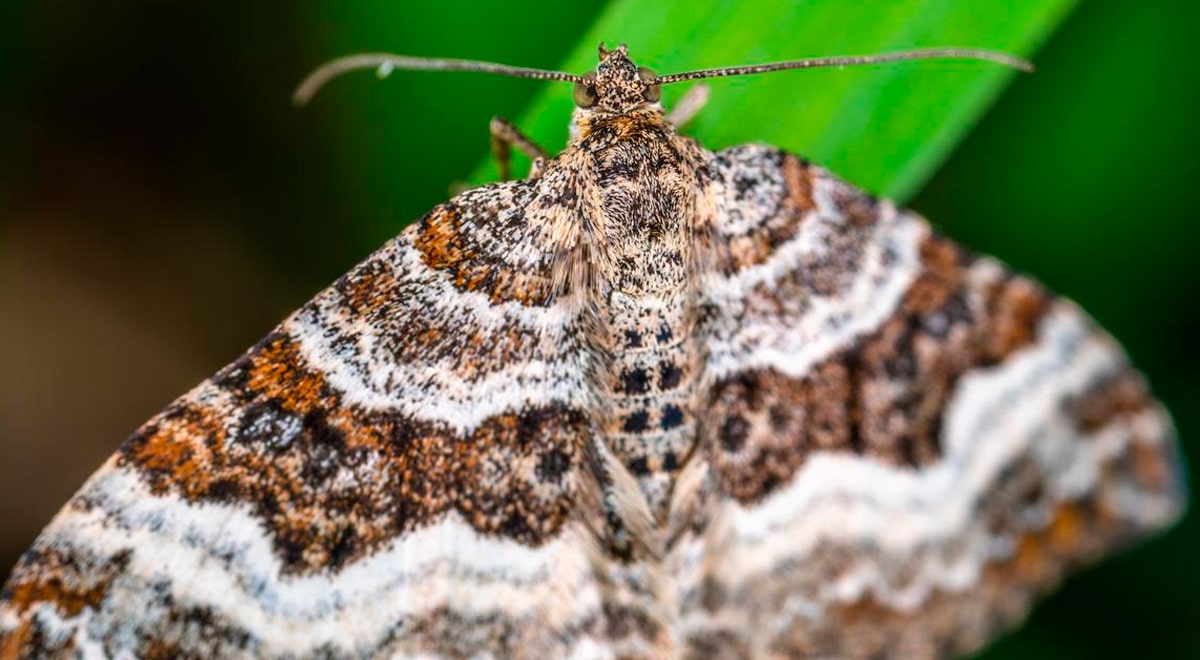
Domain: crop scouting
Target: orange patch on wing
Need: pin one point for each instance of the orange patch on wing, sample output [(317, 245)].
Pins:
[(798, 178), (57, 580), (277, 372), (179, 445), (443, 248), (1014, 308), (1151, 467), (525, 288), (440, 240), (50, 588), (1067, 529), (368, 289), (941, 276), (13, 644)]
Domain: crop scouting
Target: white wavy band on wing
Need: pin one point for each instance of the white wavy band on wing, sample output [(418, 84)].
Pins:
[(996, 415), (434, 389), (821, 326), (219, 557)]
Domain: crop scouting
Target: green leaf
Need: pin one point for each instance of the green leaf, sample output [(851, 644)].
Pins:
[(885, 128)]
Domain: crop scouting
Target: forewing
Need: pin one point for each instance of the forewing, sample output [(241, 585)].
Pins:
[(905, 443), (391, 471)]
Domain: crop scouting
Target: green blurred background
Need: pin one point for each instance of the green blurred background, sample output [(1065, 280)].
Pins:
[(162, 205)]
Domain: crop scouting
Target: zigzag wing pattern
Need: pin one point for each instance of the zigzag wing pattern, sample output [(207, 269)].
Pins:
[(392, 470), (905, 443)]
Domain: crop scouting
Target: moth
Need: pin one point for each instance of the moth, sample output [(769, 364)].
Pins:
[(650, 401)]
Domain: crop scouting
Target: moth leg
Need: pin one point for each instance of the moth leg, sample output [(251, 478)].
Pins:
[(689, 106), (505, 135)]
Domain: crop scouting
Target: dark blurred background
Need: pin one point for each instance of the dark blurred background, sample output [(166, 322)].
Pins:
[(162, 206)]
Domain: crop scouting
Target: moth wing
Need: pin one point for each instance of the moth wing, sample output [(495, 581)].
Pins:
[(904, 443), (391, 471)]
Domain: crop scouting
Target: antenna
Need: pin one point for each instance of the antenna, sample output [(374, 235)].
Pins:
[(852, 60), (384, 63)]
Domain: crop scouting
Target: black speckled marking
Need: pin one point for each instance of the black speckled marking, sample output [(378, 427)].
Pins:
[(637, 422)]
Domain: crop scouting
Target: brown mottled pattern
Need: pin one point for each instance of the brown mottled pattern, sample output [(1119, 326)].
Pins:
[(883, 397), (952, 623), (199, 632), (479, 262), (447, 633), (71, 583), (1048, 537), (405, 335), (191, 632), (1122, 393), (782, 223), (536, 358), (333, 483), (186, 632)]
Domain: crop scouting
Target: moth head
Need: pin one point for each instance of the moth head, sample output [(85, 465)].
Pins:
[(617, 85)]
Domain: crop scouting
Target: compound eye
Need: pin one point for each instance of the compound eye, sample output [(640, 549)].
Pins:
[(585, 92), (653, 90)]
